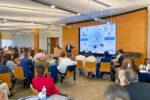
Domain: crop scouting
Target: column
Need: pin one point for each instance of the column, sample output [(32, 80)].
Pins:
[(36, 40)]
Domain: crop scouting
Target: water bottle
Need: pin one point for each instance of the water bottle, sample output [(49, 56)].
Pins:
[(44, 93)]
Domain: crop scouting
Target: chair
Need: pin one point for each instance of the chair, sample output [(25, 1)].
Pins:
[(35, 72), (19, 74), (104, 67), (80, 64), (90, 66), (34, 91), (6, 77), (70, 72)]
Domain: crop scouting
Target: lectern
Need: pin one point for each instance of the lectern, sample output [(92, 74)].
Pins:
[(57, 51)]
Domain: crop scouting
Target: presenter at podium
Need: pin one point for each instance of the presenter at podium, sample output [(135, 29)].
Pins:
[(69, 48)]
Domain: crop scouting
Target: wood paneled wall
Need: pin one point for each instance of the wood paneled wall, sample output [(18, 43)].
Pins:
[(131, 32)]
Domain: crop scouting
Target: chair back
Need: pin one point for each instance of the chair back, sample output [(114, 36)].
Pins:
[(90, 66), (80, 64), (105, 67), (35, 72), (70, 71), (6, 77), (18, 72), (34, 91)]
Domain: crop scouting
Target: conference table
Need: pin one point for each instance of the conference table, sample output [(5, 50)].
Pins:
[(144, 76), (53, 97)]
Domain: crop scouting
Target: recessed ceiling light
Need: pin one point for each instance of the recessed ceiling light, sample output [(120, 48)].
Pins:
[(5, 20), (95, 19), (78, 14), (53, 6)]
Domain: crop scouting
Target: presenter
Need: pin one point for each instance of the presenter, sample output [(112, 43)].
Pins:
[(69, 48)]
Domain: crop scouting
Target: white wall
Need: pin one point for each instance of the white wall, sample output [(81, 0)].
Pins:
[(26, 38)]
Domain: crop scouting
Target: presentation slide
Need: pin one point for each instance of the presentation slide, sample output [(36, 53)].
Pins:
[(98, 39)]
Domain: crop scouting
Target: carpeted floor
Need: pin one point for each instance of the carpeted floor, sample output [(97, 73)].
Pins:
[(83, 89)]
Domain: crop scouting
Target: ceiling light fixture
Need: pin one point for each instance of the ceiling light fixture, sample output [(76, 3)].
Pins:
[(95, 19), (32, 23), (5, 20), (78, 14), (53, 6)]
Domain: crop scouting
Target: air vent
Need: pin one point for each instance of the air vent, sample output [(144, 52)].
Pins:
[(101, 3)]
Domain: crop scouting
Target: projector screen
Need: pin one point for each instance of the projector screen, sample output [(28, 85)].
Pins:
[(98, 39)]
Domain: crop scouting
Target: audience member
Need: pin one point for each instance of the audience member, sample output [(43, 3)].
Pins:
[(128, 63), (116, 92), (90, 58), (64, 63), (137, 91), (27, 66), (106, 58), (4, 90), (62, 56), (10, 62), (5, 69), (16, 58), (41, 81), (120, 58), (41, 61)]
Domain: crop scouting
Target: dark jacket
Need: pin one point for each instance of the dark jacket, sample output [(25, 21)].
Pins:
[(4, 69), (69, 50), (120, 60), (28, 67), (138, 91)]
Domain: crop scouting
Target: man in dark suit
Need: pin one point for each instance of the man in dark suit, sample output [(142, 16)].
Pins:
[(137, 90), (27, 66), (69, 48)]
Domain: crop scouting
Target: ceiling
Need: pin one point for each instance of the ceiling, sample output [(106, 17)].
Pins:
[(28, 14)]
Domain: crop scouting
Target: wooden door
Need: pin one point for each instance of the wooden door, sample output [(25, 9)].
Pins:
[(54, 43)]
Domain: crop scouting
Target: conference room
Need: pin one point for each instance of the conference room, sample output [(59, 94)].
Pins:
[(74, 49)]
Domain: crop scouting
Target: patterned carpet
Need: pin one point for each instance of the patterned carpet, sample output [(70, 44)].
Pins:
[(83, 89)]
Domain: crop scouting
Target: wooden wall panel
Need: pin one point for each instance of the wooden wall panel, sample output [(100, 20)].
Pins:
[(131, 32)]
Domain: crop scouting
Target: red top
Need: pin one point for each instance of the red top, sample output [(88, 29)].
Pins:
[(48, 82)]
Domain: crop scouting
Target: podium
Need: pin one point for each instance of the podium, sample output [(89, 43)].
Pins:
[(57, 51)]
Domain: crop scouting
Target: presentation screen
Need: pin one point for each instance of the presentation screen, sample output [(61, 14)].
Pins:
[(98, 39)]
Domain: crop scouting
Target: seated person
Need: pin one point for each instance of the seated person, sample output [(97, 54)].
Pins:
[(90, 57), (119, 58), (106, 58), (41, 61), (4, 90), (81, 57), (128, 63), (137, 90), (5, 69), (27, 66), (116, 92), (62, 55), (41, 81), (16, 59), (10, 62), (64, 63)]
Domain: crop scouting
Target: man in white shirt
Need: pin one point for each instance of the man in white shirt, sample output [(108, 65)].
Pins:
[(64, 63)]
